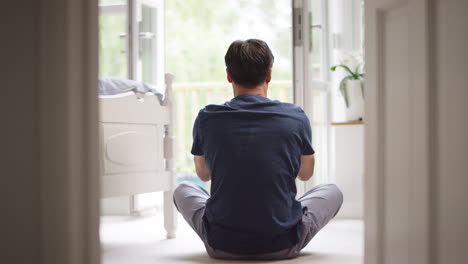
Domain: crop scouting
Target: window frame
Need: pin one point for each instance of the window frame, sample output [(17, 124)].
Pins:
[(132, 9)]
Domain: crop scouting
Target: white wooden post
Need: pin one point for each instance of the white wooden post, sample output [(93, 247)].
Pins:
[(170, 212)]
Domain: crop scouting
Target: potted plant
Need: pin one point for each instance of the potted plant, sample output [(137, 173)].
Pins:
[(352, 87)]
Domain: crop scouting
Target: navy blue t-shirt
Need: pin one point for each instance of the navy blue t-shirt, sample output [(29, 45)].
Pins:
[(252, 147)]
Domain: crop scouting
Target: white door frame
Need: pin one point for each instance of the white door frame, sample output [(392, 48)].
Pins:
[(398, 230)]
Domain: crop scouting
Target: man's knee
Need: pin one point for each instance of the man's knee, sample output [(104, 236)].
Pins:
[(182, 191), (333, 192), (179, 191), (334, 189), (337, 194), (183, 186)]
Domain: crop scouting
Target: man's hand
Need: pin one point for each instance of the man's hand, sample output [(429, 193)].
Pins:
[(200, 167), (307, 167)]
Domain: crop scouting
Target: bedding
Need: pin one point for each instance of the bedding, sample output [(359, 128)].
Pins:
[(114, 85)]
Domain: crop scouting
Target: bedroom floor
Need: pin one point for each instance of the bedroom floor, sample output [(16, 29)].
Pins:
[(142, 240)]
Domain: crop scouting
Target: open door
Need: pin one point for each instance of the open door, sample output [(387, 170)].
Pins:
[(311, 89), (148, 41)]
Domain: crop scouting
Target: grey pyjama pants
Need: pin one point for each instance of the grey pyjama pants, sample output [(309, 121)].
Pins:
[(322, 202)]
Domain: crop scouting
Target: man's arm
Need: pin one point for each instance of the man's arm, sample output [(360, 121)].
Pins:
[(200, 167), (307, 167)]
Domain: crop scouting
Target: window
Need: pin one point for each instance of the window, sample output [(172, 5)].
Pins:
[(131, 40), (198, 35), (316, 38), (112, 39)]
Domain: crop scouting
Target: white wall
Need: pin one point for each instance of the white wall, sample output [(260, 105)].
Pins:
[(349, 168)]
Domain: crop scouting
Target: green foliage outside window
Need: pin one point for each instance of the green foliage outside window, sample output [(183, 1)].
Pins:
[(198, 33)]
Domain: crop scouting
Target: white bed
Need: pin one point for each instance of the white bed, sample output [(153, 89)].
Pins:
[(137, 147)]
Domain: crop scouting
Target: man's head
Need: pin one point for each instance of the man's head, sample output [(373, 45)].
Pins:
[(249, 62)]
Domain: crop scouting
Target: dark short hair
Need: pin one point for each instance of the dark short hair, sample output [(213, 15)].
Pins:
[(249, 61)]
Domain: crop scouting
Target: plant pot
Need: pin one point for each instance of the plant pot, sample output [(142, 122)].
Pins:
[(355, 109)]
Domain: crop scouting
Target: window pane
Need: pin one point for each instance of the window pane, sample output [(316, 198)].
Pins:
[(198, 33), (362, 24), (316, 53), (315, 47), (148, 44), (316, 7), (112, 38)]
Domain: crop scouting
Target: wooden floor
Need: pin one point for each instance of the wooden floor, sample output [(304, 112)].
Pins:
[(142, 240)]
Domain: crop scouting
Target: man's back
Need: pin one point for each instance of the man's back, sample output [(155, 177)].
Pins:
[(252, 147)]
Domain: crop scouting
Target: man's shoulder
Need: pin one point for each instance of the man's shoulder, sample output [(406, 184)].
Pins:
[(273, 106), (291, 107), (215, 108)]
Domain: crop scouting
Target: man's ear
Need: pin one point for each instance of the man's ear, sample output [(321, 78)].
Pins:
[(268, 77), (228, 75)]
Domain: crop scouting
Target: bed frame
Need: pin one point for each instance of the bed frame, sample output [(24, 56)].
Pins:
[(137, 148)]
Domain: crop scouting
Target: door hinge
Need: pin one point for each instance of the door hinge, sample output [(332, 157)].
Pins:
[(297, 27)]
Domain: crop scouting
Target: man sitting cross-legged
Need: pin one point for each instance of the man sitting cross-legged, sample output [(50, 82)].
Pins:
[(252, 149)]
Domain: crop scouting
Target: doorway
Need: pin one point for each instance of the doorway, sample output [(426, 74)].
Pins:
[(194, 37)]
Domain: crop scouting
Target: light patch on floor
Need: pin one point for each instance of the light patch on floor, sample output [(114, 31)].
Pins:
[(142, 240)]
